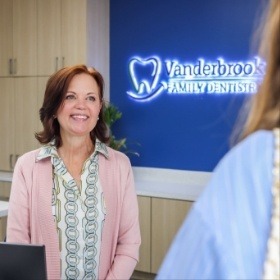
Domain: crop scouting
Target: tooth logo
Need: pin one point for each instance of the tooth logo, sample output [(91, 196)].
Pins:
[(148, 86)]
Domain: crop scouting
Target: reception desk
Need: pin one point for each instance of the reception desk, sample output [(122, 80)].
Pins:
[(164, 196)]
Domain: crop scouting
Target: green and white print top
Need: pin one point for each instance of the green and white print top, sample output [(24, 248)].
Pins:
[(79, 214)]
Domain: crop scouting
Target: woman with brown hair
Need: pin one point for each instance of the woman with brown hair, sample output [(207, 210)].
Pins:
[(76, 195), (232, 231)]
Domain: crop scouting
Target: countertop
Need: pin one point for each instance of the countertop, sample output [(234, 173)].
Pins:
[(6, 176), (160, 183), (170, 183)]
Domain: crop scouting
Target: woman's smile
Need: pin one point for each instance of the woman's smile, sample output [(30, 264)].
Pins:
[(79, 117)]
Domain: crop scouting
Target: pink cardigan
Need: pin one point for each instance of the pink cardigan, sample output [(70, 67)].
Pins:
[(30, 217)]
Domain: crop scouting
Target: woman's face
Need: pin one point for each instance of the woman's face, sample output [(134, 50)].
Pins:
[(78, 113)]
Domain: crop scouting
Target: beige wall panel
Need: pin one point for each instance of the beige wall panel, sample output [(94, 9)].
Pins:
[(7, 123), (145, 227), (5, 189), (3, 227), (42, 81), (6, 36), (98, 37), (26, 114), (167, 217), (49, 45), (25, 37), (73, 31)]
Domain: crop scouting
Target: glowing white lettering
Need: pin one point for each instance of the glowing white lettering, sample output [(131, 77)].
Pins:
[(214, 69), (203, 77)]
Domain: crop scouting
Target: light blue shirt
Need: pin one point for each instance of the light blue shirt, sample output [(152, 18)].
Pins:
[(225, 235)]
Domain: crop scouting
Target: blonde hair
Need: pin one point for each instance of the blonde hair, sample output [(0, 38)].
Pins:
[(265, 112)]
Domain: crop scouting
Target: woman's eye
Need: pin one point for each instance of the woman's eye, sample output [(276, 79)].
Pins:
[(70, 96), (91, 98)]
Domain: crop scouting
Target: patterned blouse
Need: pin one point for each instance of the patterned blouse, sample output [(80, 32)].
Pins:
[(79, 214)]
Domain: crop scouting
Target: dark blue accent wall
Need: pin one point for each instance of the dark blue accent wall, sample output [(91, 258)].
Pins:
[(187, 132)]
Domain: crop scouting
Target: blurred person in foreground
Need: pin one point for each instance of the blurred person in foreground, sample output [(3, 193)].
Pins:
[(75, 194), (232, 231)]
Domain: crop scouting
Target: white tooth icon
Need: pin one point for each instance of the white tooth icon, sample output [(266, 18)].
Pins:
[(145, 89)]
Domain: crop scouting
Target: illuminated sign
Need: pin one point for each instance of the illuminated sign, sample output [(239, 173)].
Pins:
[(151, 77)]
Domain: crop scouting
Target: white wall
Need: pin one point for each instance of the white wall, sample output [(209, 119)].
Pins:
[(98, 15)]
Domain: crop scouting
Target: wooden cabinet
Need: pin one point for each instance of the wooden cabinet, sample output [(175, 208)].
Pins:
[(49, 50), (5, 189), (6, 37), (3, 228), (145, 227), (167, 217), (7, 113), (37, 37), (42, 82), (26, 114), (19, 118), (160, 219), (74, 31), (18, 37), (61, 34)]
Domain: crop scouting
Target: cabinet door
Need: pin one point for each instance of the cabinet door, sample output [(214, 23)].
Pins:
[(145, 227), (5, 189), (73, 31), (26, 114), (6, 36), (42, 81), (3, 228), (25, 37), (49, 45), (167, 217), (7, 115)]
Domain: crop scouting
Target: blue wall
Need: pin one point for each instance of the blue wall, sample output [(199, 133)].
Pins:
[(178, 131)]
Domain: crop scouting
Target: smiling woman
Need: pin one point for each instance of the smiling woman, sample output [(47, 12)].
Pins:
[(79, 112), (65, 87), (74, 180)]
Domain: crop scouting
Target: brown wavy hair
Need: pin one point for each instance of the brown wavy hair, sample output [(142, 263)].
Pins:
[(265, 107), (55, 92)]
